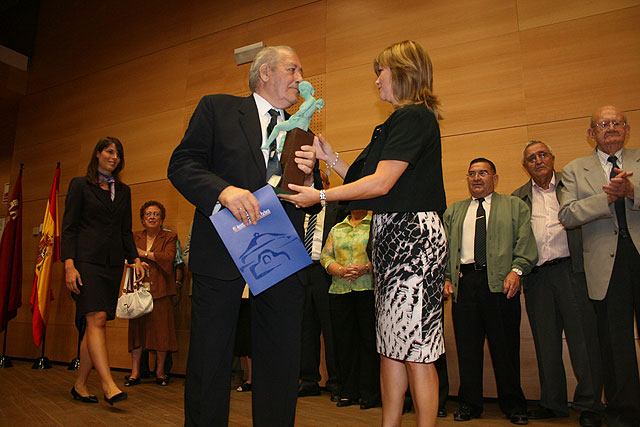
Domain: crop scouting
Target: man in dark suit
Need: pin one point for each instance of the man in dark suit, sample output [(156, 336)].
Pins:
[(556, 298), (218, 164), (598, 194)]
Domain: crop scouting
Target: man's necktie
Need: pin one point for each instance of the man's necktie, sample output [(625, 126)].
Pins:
[(480, 242), (308, 235), (619, 203), (273, 164)]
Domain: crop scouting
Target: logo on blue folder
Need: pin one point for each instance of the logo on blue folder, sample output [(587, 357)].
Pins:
[(265, 253)]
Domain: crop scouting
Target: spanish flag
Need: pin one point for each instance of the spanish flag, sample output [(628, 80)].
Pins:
[(48, 253)]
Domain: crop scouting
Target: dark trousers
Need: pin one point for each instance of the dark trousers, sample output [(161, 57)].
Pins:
[(615, 329), (276, 316), (479, 313), (556, 300), (354, 333), (316, 318)]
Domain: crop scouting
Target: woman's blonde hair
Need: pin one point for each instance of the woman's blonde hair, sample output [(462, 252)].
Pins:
[(411, 74)]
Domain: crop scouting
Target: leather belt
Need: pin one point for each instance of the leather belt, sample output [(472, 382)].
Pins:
[(472, 266), (548, 263)]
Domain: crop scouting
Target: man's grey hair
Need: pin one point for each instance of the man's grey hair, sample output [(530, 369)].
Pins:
[(530, 143), (269, 55)]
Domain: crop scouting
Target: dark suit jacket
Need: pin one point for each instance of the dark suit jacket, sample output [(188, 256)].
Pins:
[(163, 275), (94, 228), (221, 147), (574, 236)]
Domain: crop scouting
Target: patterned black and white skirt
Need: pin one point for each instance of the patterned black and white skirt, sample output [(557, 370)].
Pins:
[(409, 256)]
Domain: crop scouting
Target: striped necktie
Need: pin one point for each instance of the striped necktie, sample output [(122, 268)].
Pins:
[(273, 164), (308, 235)]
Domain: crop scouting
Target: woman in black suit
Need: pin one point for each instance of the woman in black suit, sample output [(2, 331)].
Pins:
[(96, 238)]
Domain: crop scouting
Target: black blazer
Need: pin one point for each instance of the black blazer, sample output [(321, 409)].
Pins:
[(94, 228), (221, 147)]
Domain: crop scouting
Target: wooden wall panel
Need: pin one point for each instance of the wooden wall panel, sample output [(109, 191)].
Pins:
[(538, 13), (97, 35), (52, 114), (360, 29), (138, 88), (212, 16), (592, 66), (480, 84), (212, 67), (40, 165)]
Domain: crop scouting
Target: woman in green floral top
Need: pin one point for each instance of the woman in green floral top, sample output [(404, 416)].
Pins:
[(352, 308)]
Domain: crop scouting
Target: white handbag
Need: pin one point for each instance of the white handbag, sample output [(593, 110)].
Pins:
[(136, 300)]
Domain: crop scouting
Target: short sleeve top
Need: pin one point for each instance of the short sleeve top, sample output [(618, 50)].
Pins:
[(411, 134)]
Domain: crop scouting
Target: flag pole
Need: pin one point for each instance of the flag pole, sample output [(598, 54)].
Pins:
[(42, 362), (5, 361)]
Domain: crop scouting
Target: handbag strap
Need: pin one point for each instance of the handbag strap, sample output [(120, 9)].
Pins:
[(127, 285)]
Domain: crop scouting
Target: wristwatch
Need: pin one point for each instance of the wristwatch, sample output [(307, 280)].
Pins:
[(517, 271), (323, 198)]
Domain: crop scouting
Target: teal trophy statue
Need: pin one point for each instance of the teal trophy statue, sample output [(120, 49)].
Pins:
[(296, 133)]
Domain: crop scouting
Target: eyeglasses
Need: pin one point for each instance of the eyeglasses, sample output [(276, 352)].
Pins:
[(482, 173), (605, 124), (542, 155), (152, 214)]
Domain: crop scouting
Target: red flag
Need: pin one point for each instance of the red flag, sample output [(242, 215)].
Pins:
[(48, 253), (11, 258)]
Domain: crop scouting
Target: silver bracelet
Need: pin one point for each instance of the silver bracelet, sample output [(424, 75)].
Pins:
[(332, 165), (323, 198)]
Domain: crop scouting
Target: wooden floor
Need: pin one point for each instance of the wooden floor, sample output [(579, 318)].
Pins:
[(42, 398)]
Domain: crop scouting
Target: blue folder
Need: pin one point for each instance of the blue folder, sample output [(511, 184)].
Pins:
[(267, 252)]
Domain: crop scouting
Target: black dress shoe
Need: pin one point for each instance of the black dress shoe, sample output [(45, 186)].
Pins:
[(464, 413), (541, 413), (442, 412), (519, 419), (344, 402), (590, 419), (86, 399), (335, 395), (368, 405), (308, 390), (116, 398)]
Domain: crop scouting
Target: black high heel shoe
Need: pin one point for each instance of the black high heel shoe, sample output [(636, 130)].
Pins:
[(116, 398), (85, 399)]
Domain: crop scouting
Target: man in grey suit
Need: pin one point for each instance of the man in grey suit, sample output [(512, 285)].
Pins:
[(598, 194), (556, 298)]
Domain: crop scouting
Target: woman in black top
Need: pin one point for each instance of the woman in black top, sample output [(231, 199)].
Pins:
[(95, 240), (399, 177)]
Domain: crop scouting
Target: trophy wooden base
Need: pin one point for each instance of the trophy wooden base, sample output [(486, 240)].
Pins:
[(291, 174)]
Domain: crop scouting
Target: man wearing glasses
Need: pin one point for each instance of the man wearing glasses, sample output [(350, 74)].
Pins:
[(598, 194), (556, 298), (491, 246)]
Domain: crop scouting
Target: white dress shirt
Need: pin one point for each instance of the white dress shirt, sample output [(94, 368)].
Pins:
[(551, 237)]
